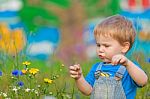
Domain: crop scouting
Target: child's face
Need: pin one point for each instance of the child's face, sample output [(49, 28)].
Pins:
[(107, 47)]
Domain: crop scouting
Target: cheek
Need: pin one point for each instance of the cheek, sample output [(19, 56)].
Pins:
[(97, 49), (113, 52), (109, 53)]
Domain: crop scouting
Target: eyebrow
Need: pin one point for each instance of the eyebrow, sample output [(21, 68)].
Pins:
[(104, 43)]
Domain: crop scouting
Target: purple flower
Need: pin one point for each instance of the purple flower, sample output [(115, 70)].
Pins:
[(20, 83), (1, 73)]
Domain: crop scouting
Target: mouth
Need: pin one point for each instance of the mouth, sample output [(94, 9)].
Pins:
[(101, 57)]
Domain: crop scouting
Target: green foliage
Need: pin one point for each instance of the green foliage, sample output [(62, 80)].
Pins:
[(97, 8), (35, 17), (61, 3)]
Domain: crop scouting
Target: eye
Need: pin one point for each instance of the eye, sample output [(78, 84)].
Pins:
[(107, 45), (98, 45)]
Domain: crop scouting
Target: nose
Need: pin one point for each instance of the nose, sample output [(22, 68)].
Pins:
[(101, 49)]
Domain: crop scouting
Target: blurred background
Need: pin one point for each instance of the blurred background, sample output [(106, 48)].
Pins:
[(64, 28)]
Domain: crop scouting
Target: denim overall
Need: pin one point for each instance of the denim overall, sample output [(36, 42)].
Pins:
[(106, 87)]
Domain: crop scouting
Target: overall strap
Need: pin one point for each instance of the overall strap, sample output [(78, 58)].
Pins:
[(119, 74), (99, 66), (98, 70)]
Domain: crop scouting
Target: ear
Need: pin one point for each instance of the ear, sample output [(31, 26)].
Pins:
[(125, 48)]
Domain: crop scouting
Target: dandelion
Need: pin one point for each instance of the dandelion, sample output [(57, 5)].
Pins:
[(49, 81), (26, 63), (24, 71), (33, 71)]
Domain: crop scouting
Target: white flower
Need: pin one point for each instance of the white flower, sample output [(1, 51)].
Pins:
[(39, 86), (36, 92), (27, 90), (68, 96), (32, 90), (15, 89), (4, 94)]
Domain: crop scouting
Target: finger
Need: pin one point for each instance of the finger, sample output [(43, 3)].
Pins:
[(74, 76), (72, 68), (123, 61), (113, 60), (116, 60), (77, 67), (74, 73)]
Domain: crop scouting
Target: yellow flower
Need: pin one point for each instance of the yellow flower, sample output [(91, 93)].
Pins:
[(33, 71), (24, 71), (46, 80), (26, 63)]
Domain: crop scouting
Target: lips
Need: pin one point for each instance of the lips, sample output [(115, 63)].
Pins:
[(101, 57)]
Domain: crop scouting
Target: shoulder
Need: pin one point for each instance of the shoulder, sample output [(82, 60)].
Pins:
[(94, 66)]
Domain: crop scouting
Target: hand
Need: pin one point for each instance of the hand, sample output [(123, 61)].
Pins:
[(119, 59), (75, 71)]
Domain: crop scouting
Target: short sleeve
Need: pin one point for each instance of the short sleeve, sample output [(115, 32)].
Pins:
[(90, 76)]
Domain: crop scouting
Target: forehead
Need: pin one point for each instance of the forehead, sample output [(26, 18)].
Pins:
[(104, 38)]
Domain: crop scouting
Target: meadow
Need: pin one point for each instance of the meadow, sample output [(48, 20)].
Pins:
[(21, 78)]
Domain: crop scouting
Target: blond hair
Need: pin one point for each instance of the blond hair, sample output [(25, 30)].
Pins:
[(117, 27)]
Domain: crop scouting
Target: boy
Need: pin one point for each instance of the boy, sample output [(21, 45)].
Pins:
[(116, 77)]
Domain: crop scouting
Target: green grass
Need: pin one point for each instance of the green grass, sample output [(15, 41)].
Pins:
[(63, 87)]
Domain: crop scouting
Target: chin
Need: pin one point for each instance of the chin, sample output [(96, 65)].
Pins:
[(106, 61)]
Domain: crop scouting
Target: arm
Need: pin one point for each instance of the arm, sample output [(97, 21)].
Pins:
[(137, 74), (82, 84)]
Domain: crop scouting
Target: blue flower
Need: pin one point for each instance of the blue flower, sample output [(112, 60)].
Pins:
[(16, 73), (20, 83), (1, 73), (148, 60)]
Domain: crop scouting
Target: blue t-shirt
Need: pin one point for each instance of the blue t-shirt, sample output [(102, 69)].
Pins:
[(128, 83)]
